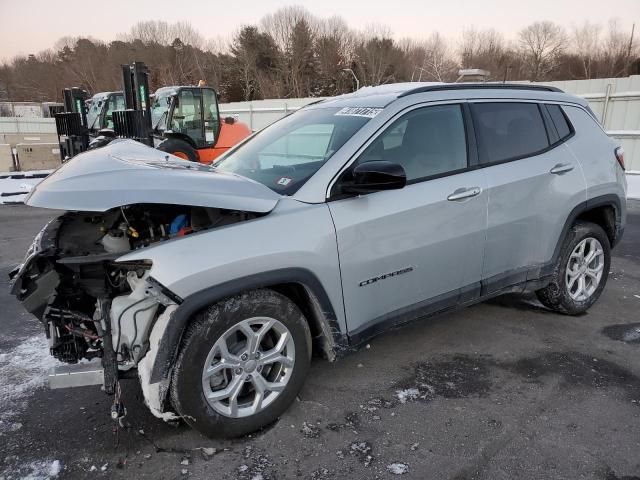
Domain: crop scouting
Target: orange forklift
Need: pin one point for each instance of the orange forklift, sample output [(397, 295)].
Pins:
[(181, 120)]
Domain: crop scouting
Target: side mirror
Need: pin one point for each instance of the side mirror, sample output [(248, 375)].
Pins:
[(229, 120), (375, 176)]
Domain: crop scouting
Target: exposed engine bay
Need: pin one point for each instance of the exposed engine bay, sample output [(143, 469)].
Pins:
[(90, 304)]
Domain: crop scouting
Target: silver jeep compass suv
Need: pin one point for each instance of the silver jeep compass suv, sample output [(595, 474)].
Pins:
[(352, 216)]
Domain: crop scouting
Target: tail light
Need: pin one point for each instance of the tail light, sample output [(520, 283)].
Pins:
[(620, 156)]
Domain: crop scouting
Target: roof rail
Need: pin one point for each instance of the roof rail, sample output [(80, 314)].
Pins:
[(480, 86)]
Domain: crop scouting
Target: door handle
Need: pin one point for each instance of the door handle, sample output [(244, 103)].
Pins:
[(462, 193), (561, 168)]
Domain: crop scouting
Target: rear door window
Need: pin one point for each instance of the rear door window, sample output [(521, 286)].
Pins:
[(508, 131)]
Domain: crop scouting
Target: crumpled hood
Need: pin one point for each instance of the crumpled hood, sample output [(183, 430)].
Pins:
[(127, 172)]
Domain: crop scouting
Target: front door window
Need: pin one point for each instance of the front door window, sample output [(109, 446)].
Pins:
[(211, 116), (187, 116)]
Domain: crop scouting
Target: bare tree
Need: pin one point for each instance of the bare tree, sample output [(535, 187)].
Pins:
[(378, 58), (280, 24), (488, 50), (586, 45), (437, 63), (542, 43)]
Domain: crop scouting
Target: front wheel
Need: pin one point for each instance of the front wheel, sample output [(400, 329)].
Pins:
[(581, 272), (241, 365)]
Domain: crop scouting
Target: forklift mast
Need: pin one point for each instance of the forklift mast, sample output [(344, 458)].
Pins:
[(74, 102), (135, 121), (71, 125)]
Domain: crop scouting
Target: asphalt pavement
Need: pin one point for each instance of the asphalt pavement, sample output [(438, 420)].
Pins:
[(502, 390)]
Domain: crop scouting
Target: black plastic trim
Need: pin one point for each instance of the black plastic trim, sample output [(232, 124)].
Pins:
[(473, 159), (552, 132), (481, 86), (601, 201), (170, 341), (572, 131), (423, 309), (516, 281)]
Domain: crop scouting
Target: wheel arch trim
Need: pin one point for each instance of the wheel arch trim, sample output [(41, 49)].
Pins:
[(172, 336), (608, 200)]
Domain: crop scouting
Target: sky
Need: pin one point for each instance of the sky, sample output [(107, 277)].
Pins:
[(28, 26)]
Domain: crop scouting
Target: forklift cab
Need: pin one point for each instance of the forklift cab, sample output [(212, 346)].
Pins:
[(100, 110), (187, 113)]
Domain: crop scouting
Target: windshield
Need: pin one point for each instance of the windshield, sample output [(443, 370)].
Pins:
[(160, 105), (286, 154), (95, 107)]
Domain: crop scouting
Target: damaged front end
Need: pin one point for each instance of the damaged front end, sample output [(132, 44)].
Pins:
[(92, 305)]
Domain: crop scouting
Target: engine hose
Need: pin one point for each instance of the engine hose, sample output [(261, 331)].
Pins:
[(117, 345), (135, 323)]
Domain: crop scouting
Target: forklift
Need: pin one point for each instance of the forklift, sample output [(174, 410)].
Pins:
[(181, 120), (82, 120), (71, 124)]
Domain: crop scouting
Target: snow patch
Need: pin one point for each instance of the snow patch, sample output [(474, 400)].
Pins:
[(16, 185), (38, 470), (407, 394), (23, 369), (633, 186), (55, 468), (398, 468)]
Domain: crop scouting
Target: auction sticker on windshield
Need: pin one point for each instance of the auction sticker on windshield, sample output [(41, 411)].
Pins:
[(368, 112)]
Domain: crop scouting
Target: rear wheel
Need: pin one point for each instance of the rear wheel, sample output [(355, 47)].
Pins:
[(582, 270), (179, 148), (242, 363)]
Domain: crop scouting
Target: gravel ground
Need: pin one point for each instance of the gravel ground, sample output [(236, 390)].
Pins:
[(501, 390)]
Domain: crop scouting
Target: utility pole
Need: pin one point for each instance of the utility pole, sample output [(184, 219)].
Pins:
[(628, 62)]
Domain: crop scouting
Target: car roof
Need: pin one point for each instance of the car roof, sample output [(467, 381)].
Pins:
[(382, 95)]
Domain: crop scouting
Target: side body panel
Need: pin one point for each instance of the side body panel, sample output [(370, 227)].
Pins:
[(293, 236), (528, 207), (423, 246), (594, 150)]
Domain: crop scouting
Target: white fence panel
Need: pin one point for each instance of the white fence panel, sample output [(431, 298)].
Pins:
[(13, 125)]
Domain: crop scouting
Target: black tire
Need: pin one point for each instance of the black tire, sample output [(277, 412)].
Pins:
[(180, 147), (187, 394), (556, 295)]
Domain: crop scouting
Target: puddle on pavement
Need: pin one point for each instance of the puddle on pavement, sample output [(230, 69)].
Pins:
[(459, 376), (578, 370), (462, 376), (624, 332)]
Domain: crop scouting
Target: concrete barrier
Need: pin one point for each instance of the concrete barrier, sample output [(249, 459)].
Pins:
[(14, 139), (6, 158), (38, 156)]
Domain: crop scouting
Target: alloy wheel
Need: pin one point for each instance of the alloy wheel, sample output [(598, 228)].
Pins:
[(248, 367), (584, 269)]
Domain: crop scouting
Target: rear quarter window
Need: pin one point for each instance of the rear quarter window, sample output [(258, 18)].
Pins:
[(560, 121), (508, 131)]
